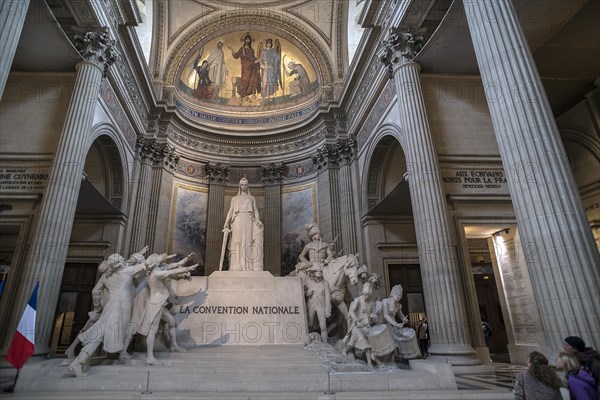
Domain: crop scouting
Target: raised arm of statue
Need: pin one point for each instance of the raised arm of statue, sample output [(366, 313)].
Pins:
[(180, 272)]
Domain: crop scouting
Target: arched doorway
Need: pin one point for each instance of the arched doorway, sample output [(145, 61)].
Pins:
[(389, 224), (97, 231)]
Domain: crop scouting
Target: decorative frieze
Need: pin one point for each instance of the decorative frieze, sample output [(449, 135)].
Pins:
[(185, 140)]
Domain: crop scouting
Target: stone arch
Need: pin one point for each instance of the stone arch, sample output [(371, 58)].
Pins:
[(583, 153), (107, 142), (379, 159)]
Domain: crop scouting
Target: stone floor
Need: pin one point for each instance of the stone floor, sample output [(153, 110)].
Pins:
[(497, 385)]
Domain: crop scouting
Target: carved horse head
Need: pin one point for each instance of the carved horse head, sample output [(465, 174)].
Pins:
[(341, 270)]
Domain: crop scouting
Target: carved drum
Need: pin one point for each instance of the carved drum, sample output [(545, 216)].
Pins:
[(381, 340), (408, 344)]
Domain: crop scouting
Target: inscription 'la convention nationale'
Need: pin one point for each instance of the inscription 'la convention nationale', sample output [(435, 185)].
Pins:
[(240, 310)]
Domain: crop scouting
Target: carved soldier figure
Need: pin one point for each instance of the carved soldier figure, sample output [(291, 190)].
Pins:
[(405, 338), (318, 298), (140, 300), (113, 318), (156, 308), (363, 315), (317, 250)]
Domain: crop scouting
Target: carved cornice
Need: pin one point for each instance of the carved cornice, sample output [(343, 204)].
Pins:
[(96, 47), (158, 154), (249, 147), (365, 78), (340, 35), (217, 172), (402, 46), (272, 173), (159, 32)]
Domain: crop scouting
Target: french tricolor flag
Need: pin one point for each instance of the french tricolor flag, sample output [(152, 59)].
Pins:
[(22, 345)]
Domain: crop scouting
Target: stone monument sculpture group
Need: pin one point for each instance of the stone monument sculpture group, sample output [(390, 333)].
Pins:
[(136, 296)]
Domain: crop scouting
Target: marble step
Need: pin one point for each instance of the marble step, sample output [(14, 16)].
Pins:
[(376, 395)]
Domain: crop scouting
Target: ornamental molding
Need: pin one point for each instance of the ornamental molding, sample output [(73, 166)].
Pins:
[(250, 146)]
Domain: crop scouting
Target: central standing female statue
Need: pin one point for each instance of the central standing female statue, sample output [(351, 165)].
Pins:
[(246, 242)]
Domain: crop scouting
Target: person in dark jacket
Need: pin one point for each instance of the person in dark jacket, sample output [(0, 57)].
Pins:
[(580, 383), (587, 356)]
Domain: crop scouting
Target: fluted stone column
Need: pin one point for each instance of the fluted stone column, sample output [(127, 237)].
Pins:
[(328, 198), (160, 195), (560, 249), (12, 19), (217, 175), (346, 155), (146, 155), (272, 176), (444, 299), (50, 242)]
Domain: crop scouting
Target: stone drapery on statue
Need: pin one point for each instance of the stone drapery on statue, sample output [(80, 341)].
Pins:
[(246, 232)]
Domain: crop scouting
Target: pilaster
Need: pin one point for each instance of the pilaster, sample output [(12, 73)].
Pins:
[(217, 175), (346, 155), (328, 198), (272, 176), (160, 195), (153, 157)]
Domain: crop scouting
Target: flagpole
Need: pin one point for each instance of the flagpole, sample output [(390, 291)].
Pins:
[(11, 389)]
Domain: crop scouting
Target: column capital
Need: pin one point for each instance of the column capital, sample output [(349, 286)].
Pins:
[(217, 172), (335, 154), (157, 153), (96, 47), (345, 151), (272, 173), (401, 47), (325, 157)]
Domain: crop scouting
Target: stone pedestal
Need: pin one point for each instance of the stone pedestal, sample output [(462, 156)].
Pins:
[(241, 308)]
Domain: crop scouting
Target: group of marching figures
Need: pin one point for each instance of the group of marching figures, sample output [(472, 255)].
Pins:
[(369, 327), (131, 297)]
